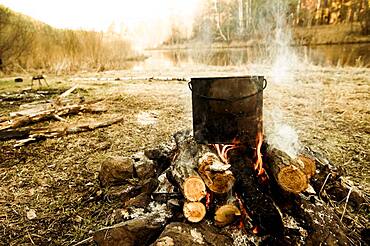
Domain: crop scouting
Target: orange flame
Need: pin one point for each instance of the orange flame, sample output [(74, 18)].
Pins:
[(223, 149), (256, 230), (259, 163)]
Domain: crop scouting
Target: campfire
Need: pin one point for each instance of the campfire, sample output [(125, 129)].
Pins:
[(214, 189)]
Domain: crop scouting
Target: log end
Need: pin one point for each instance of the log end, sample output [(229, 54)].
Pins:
[(226, 214), (194, 211), (292, 179), (222, 182), (194, 189), (309, 166)]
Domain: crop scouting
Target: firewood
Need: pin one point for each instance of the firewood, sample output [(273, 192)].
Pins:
[(258, 205), (309, 166), (194, 188), (287, 171), (142, 229), (226, 214), (183, 170), (215, 173), (194, 211), (330, 184)]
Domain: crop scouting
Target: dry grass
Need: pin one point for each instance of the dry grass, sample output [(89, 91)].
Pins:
[(57, 178)]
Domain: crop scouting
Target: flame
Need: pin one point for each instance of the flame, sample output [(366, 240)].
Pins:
[(256, 230), (258, 166), (223, 149)]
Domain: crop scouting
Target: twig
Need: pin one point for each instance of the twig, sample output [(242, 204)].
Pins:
[(345, 205), (31, 238), (87, 240), (69, 91), (323, 185)]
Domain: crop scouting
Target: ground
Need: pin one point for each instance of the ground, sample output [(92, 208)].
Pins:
[(57, 178)]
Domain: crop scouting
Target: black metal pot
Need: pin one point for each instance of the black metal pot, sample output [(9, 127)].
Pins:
[(227, 109)]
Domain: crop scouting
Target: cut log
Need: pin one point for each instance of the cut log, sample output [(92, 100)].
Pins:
[(194, 211), (183, 168), (194, 188), (288, 172), (215, 173), (226, 214)]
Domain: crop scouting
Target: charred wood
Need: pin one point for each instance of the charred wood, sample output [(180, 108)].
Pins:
[(259, 206)]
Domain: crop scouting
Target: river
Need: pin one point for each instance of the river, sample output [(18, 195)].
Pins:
[(353, 55)]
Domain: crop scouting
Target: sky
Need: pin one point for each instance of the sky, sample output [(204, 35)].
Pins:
[(147, 20)]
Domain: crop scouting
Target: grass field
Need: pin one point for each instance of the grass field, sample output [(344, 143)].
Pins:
[(328, 107)]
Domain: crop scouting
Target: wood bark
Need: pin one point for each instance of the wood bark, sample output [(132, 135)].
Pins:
[(183, 168), (33, 117), (330, 184), (289, 173), (215, 173)]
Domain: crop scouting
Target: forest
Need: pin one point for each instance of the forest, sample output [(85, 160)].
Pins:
[(228, 20), (30, 45)]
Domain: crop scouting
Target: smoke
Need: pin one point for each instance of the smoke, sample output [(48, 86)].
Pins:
[(280, 135), (283, 62)]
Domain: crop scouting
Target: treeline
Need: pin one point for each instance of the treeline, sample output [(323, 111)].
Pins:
[(226, 20), (32, 46)]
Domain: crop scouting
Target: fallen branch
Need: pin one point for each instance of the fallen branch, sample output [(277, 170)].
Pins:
[(26, 118), (36, 135)]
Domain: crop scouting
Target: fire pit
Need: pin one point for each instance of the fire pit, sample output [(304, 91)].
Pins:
[(225, 185)]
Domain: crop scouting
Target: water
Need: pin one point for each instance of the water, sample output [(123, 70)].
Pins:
[(324, 55)]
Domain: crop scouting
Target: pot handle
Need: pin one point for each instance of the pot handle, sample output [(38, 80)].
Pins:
[(229, 99)]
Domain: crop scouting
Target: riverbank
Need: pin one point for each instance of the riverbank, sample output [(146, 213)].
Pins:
[(301, 36)]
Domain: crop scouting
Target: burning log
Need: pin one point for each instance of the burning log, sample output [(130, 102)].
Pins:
[(183, 169), (194, 211), (259, 207), (215, 173), (292, 175)]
